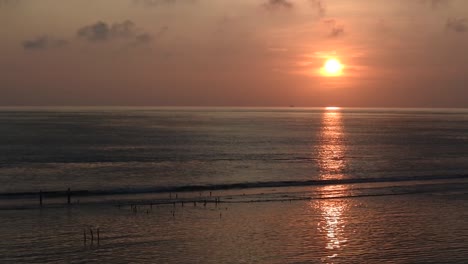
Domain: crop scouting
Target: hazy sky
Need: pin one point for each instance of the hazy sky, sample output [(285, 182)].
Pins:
[(402, 53)]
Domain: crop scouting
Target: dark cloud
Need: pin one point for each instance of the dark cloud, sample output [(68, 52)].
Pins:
[(458, 25), (95, 32), (144, 38), (43, 42), (102, 31), (125, 29), (278, 4), (336, 30), (162, 31), (319, 6), (37, 43)]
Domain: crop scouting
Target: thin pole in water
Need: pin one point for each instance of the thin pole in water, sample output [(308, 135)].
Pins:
[(68, 196), (84, 236), (40, 198), (92, 235)]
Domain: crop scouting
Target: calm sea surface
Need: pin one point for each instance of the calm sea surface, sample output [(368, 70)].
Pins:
[(108, 149), (297, 185)]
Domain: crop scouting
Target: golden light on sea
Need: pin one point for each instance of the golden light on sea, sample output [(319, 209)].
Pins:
[(332, 108), (332, 165)]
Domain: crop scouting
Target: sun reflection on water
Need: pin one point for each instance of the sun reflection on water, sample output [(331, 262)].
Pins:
[(332, 163), (332, 146), (333, 223)]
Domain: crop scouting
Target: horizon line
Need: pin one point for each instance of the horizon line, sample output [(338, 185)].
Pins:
[(226, 106)]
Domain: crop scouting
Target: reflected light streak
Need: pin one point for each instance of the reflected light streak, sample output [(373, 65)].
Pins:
[(332, 146), (332, 164), (332, 108), (333, 224)]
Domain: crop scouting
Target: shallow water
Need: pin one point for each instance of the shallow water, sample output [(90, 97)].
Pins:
[(422, 228)]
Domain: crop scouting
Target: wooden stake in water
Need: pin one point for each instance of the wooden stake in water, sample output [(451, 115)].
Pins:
[(68, 196), (40, 198), (84, 236), (97, 231), (92, 235)]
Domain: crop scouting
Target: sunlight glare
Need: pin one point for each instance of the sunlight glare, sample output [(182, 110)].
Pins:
[(332, 67), (332, 108)]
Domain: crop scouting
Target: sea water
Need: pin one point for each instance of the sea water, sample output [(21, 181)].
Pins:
[(138, 148), (296, 185)]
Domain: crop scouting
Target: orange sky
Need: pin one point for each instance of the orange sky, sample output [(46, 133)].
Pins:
[(399, 53)]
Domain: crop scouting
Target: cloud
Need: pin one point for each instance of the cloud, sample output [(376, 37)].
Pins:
[(336, 30), (125, 29), (143, 38), (436, 3), (287, 4), (150, 3), (162, 31), (319, 6), (96, 32), (102, 31), (43, 42), (278, 4), (458, 25), (5, 3)]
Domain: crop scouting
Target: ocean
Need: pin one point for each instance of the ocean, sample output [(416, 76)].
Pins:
[(234, 185)]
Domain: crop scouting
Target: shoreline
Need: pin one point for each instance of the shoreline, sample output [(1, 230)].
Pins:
[(446, 186)]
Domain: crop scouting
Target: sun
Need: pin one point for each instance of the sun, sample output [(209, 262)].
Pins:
[(332, 67)]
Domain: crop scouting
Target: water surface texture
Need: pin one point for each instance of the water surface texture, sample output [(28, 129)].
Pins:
[(234, 185), (107, 149)]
